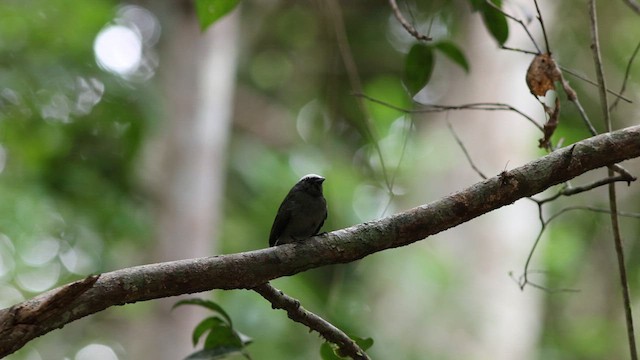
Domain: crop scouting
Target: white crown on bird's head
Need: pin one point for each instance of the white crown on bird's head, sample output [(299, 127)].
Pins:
[(311, 176)]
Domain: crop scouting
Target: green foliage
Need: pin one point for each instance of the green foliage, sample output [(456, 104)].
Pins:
[(71, 168), (209, 11), (420, 61), (493, 19), (418, 67), (213, 354), (453, 52), (222, 339)]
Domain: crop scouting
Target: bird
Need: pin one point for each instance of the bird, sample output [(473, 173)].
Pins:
[(302, 212)]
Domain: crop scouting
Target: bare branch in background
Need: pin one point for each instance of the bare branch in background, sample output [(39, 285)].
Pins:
[(633, 4), (337, 19), (464, 150), (618, 96), (544, 31), (613, 204), (523, 280), (410, 29), (431, 108), (627, 72), (569, 191)]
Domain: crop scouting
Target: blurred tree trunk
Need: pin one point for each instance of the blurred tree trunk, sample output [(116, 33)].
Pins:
[(187, 162), (492, 318)]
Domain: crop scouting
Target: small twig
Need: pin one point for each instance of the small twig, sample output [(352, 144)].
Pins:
[(544, 223), (544, 31), (627, 72), (522, 282), (519, 50), (592, 209), (568, 191), (586, 79), (392, 181), (533, 249), (410, 29), (524, 26), (479, 106), (617, 240), (355, 82), (297, 313), (429, 108), (633, 5), (573, 97), (597, 59), (464, 150), (524, 279)]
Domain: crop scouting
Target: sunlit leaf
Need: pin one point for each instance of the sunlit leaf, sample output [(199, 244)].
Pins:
[(207, 304), (453, 52), (418, 67), (209, 11)]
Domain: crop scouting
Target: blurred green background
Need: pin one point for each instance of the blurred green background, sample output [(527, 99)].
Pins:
[(118, 148)]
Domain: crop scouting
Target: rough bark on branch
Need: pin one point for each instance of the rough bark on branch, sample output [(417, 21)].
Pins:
[(249, 269)]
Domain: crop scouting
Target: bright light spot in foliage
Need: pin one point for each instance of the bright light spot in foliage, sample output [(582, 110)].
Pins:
[(118, 49), (41, 251), (96, 352), (125, 47), (39, 279)]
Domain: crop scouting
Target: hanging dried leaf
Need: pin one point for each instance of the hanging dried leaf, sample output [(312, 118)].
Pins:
[(542, 74), (551, 125), (541, 77)]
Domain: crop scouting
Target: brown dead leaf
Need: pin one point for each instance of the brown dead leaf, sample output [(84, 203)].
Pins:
[(550, 126), (541, 77), (542, 74)]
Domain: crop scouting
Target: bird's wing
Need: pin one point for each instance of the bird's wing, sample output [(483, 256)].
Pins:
[(321, 223), (280, 223)]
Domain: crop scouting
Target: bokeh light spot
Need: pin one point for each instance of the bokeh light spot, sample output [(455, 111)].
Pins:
[(38, 279), (118, 49), (96, 352)]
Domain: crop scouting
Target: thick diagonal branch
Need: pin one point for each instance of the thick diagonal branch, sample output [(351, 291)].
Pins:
[(250, 269)]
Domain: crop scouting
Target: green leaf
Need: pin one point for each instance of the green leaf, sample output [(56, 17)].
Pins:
[(418, 67), (213, 354), (364, 343), (476, 4), (223, 337), (327, 352), (204, 326), (496, 22), (209, 11), (453, 52), (207, 304)]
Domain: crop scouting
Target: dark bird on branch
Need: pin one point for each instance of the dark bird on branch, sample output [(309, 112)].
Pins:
[(302, 212)]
